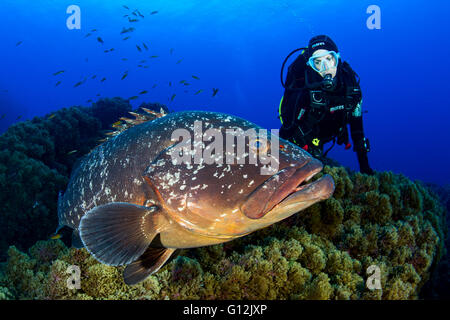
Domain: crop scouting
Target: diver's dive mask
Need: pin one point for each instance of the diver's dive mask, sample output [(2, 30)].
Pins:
[(324, 61)]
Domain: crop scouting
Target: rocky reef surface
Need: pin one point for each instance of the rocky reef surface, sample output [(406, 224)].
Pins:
[(323, 252)]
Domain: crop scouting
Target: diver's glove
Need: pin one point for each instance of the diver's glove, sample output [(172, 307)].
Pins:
[(364, 163), (316, 152), (361, 147)]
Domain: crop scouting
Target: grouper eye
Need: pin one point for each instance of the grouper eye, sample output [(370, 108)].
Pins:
[(259, 145)]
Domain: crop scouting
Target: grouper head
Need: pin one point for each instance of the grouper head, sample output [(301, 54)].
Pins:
[(228, 200)]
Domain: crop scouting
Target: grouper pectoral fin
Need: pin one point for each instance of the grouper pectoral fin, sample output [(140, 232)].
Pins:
[(150, 262), (118, 233)]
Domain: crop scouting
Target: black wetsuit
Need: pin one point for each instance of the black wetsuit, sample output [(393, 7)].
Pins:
[(312, 116)]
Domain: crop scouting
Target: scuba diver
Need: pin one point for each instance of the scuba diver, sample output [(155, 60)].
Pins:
[(322, 96)]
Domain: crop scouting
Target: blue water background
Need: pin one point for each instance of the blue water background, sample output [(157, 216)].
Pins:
[(238, 47)]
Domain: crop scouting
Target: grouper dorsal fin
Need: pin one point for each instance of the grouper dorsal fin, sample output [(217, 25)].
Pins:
[(126, 123), (118, 233)]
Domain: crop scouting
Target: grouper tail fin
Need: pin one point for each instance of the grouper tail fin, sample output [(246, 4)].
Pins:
[(118, 233)]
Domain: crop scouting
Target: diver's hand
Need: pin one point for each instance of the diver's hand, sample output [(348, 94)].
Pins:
[(316, 152), (367, 170), (364, 166)]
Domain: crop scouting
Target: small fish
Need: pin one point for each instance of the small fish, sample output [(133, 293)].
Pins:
[(186, 84), (179, 61), (79, 83), (58, 72), (143, 61), (111, 50), (98, 94), (106, 50), (124, 59), (103, 79), (126, 30), (88, 35), (51, 116), (116, 124), (94, 76), (55, 236), (140, 14), (58, 83), (19, 43), (124, 75), (71, 152), (139, 48), (171, 50), (154, 86), (214, 91), (134, 13), (145, 46), (152, 57), (143, 92), (125, 7), (126, 38), (126, 15), (282, 147), (170, 83), (100, 40), (173, 97), (133, 98), (145, 67), (154, 12), (2, 116), (93, 30), (18, 118), (199, 91), (196, 78), (132, 20), (182, 81)]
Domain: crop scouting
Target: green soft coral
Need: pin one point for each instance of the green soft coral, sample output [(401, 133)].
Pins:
[(322, 252)]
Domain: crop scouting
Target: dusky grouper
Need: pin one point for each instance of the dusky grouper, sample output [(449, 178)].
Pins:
[(131, 204)]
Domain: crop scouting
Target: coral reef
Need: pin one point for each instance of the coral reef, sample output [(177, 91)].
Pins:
[(36, 158), (109, 110), (323, 252), (439, 285)]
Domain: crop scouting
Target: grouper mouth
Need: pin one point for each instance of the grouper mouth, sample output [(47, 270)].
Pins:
[(287, 187)]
